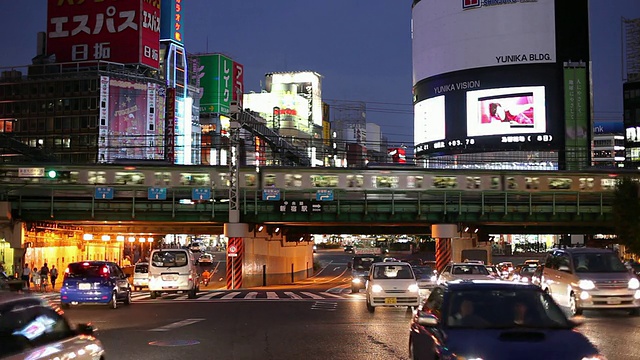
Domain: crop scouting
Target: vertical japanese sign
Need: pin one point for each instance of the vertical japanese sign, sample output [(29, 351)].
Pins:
[(171, 23), (103, 127), (169, 133), (576, 117), (124, 31), (326, 125), (216, 83), (238, 83)]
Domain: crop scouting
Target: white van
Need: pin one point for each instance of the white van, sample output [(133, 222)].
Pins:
[(173, 271)]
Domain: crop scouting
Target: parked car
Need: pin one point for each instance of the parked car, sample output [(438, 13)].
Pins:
[(392, 284), (32, 329), (141, 276), (590, 278), (495, 320), (94, 282)]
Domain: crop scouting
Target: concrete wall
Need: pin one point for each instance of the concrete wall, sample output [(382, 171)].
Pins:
[(277, 257)]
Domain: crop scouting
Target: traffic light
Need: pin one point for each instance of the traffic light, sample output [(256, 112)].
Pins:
[(53, 174)]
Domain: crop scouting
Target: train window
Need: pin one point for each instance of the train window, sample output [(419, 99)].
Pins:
[(292, 180), (495, 183), (97, 177), (608, 184), (414, 182), (473, 182), (445, 182), (162, 178), (224, 180), (355, 181), (586, 183), (384, 182), (560, 183), (532, 183), (195, 179), (512, 184), (250, 180), (269, 180), (129, 178), (324, 180)]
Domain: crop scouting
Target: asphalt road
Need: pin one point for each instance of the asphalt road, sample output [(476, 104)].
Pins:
[(315, 319)]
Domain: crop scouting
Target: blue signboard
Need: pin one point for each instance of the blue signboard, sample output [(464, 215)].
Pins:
[(271, 194), (157, 194), (201, 194), (104, 193), (324, 195)]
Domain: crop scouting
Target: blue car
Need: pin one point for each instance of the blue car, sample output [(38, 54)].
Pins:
[(489, 319), (94, 282)]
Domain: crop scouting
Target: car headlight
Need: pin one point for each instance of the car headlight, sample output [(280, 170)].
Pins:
[(594, 357), (634, 284), (524, 279), (376, 288), (356, 280), (414, 288), (586, 285), (434, 278)]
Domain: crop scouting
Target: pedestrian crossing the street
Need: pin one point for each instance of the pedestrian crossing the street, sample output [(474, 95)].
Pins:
[(237, 295)]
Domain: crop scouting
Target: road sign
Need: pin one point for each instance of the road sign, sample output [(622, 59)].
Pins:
[(30, 172), (201, 194), (299, 207), (232, 251), (271, 194), (157, 193), (105, 193), (324, 195)]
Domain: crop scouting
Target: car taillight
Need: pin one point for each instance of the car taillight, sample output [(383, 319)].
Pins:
[(66, 273), (105, 271)]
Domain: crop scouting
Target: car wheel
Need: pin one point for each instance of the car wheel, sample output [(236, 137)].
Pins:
[(127, 300), (153, 294), (634, 312), (114, 301), (370, 307), (573, 306), (192, 293)]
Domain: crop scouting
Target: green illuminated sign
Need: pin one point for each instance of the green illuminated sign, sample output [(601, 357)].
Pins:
[(216, 83)]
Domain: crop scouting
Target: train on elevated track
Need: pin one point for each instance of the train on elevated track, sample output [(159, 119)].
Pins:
[(310, 178)]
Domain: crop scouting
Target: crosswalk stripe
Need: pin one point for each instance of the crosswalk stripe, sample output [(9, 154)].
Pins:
[(211, 295), (272, 295), (230, 295), (251, 295), (312, 295), (331, 295), (293, 296)]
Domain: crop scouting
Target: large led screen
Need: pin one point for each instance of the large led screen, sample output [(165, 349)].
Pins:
[(451, 35), (429, 120), (519, 110), (499, 108)]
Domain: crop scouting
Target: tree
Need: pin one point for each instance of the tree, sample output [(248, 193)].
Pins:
[(626, 213)]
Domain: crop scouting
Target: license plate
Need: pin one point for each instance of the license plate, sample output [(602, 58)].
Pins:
[(391, 301), (84, 286), (614, 301), (169, 277)]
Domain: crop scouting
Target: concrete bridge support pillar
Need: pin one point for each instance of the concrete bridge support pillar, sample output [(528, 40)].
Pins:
[(443, 233), (236, 232)]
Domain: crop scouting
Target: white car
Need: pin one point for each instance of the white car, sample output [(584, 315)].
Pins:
[(392, 284), (141, 276), (464, 271), (32, 329), (205, 259)]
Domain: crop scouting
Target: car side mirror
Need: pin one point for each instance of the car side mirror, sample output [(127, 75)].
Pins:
[(564, 268), (85, 329), (427, 319)]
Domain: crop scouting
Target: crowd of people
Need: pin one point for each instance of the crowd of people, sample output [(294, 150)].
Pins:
[(40, 278)]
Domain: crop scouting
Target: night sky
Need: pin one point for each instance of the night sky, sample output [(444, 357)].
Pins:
[(361, 47)]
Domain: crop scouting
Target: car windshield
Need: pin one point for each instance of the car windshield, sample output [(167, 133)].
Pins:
[(604, 262), (169, 258), (526, 270), (500, 309), (82, 270), (423, 272), (364, 263), (469, 269), (393, 272), (142, 268)]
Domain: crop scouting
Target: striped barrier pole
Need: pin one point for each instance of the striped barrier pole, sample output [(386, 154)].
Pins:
[(235, 256), (443, 253)]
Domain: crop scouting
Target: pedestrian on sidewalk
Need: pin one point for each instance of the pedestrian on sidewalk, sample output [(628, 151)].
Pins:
[(53, 275), (26, 275), (35, 278), (44, 277)]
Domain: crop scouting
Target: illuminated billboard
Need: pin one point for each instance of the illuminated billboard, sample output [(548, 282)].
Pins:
[(292, 110), (216, 83), (305, 86), (130, 125), (447, 36), (489, 109), (238, 84), (125, 32), (171, 22)]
